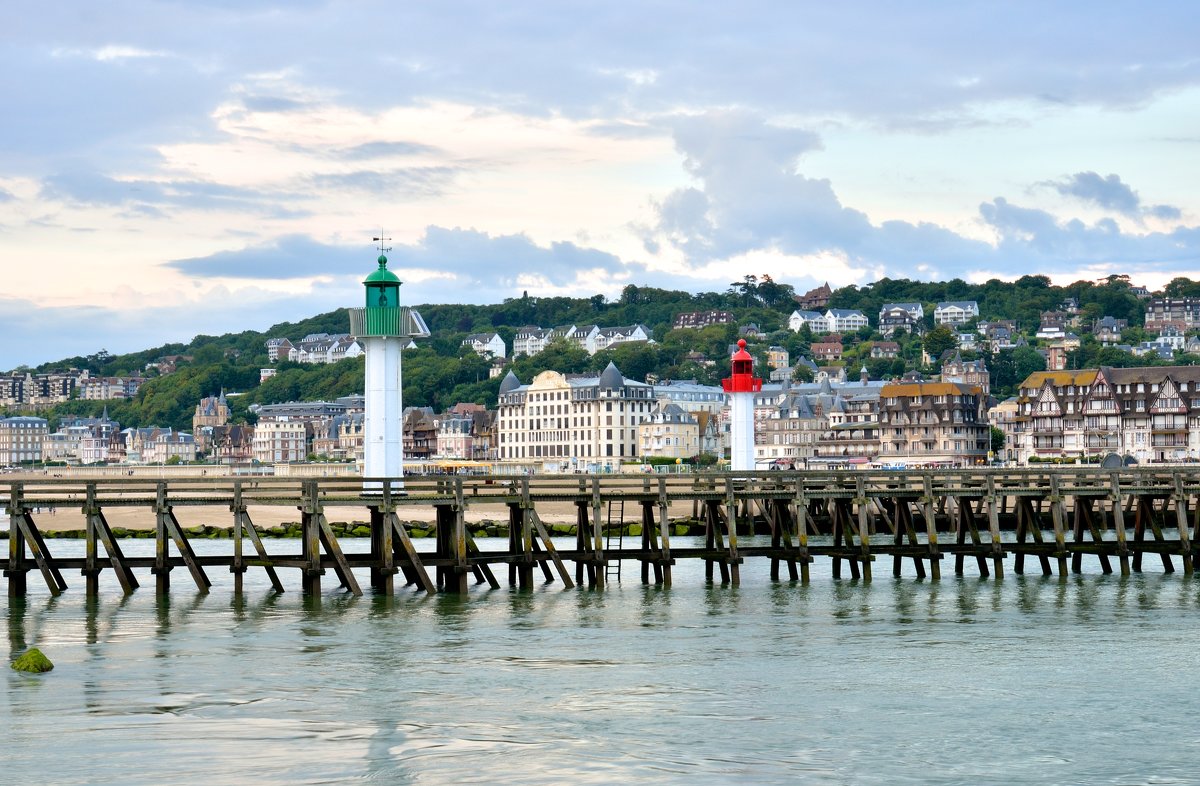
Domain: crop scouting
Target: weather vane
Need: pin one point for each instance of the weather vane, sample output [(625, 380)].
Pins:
[(381, 240)]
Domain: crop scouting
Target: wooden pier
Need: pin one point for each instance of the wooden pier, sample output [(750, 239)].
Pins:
[(855, 519)]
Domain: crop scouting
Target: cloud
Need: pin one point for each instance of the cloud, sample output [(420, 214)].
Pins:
[(1111, 194), (750, 196), (152, 197), (1107, 192), (289, 257), (410, 183), (384, 149), (481, 266), (6, 196)]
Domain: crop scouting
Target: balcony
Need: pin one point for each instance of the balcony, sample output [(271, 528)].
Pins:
[(403, 322)]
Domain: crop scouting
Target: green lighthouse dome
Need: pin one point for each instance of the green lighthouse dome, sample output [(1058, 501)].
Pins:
[(382, 276)]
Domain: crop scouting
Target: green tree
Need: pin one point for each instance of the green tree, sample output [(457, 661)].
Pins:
[(997, 445), (938, 341)]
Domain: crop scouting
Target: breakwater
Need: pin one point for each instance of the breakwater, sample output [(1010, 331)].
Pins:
[(1055, 518)]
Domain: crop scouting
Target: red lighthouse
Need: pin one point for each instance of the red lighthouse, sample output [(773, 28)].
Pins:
[(741, 387)]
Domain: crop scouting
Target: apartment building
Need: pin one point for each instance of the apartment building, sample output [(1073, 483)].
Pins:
[(572, 421), (21, 439), (955, 312), (933, 423), (1179, 312)]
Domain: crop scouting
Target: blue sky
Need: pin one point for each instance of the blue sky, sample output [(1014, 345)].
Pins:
[(176, 168)]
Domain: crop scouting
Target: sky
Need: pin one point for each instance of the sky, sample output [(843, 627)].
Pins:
[(169, 169)]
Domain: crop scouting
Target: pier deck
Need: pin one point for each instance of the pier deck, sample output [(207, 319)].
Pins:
[(1058, 516)]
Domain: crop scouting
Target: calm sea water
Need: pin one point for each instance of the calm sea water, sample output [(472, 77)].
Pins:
[(1026, 680)]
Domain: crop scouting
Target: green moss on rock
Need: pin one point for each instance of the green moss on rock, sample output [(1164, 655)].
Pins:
[(33, 662)]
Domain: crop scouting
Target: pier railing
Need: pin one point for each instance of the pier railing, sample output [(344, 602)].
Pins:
[(1058, 516)]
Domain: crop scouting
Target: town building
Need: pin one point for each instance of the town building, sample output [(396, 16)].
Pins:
[(1053, 325), (570, 422), (21, 439), (211, 411), (279, 349), (420, 433), (884, 349), (823, 352), (777, 357), (1182, 313), (530, 340), (109, 388), (230, 444), (834, 320), (1107, 330), (896, 316), (669, 431), (1004, 416), (815, 299), (701, 319), (972, 373)]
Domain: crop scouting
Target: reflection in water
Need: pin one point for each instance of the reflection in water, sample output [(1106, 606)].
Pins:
[(770, 682)]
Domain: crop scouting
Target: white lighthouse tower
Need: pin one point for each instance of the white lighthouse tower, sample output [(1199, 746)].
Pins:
[(741, 387), (384, 326)]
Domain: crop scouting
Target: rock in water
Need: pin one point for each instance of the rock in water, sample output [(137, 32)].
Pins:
[(33, 661)]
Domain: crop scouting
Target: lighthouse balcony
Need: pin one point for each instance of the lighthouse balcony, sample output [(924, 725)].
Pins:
[(398, 321)]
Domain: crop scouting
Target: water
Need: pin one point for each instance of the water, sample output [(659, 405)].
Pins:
[(1027, 680)]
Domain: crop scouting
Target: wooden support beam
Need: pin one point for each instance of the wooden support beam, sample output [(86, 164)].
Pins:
[(864, 531), (598, 537), (1185, 548), (310, 533), (1119, 522), (1058, 518), (264, 559), (800, 517), (185, 550), (664, 532), (410, 551), (41, 554), (994, 527), (98, 525), (340, 566), (484, 570), (734, 560), (926, 502), (550, 549)]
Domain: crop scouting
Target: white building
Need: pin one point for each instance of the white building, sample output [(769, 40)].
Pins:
[(487, 345), (845, 320), (955, 312), (835, 320), (280, 441)]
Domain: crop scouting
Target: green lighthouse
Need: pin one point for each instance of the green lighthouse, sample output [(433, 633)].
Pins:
[(384, 327)]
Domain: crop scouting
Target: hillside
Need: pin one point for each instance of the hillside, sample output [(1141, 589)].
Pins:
[(441, 372)]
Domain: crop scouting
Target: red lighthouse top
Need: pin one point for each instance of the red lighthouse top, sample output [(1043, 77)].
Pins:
[(743, 379)]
